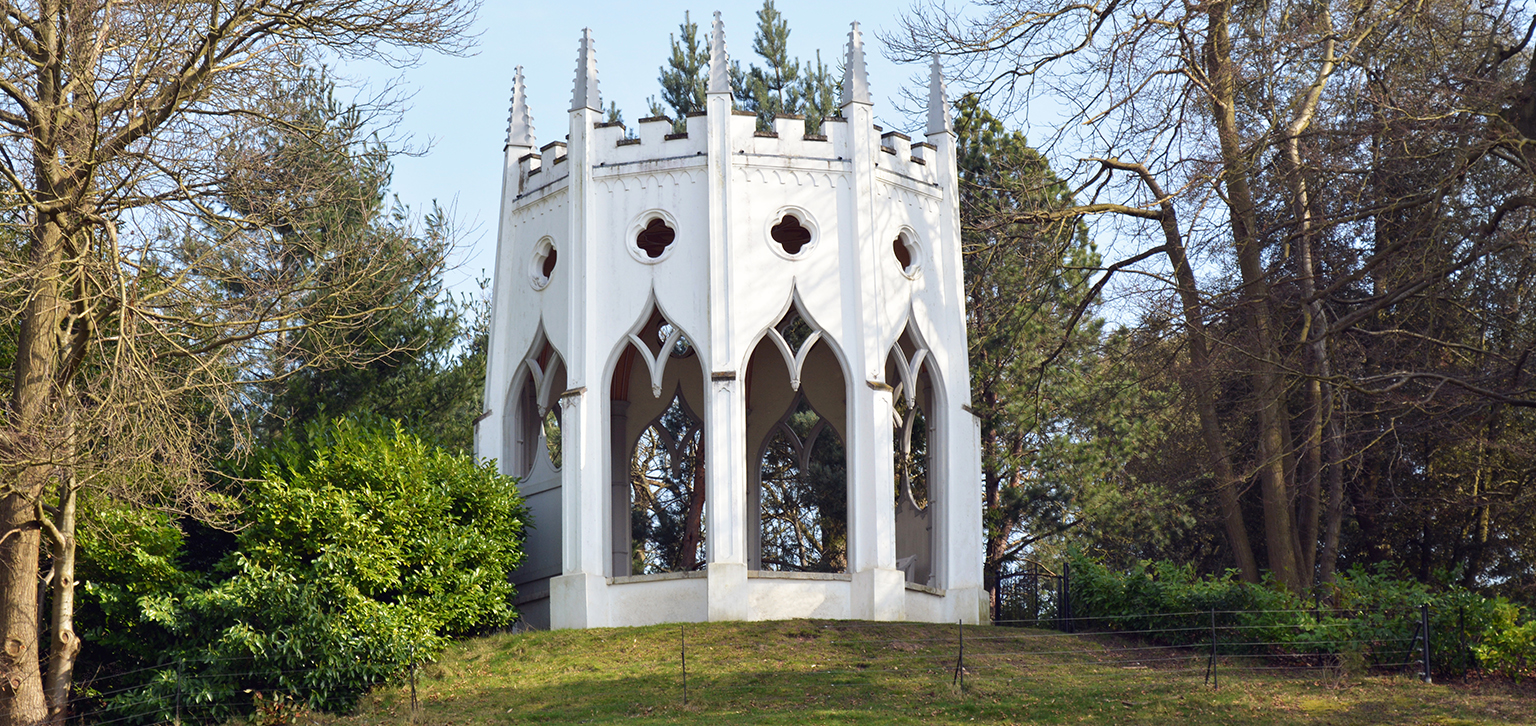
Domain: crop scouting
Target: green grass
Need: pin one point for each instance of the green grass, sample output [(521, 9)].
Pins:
[(827, 672)]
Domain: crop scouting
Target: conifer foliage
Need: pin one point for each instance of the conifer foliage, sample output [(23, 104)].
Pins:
[(685, 78), (782, 86), (775, 87)]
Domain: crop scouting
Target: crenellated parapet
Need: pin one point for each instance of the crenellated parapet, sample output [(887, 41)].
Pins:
[(652, 145)]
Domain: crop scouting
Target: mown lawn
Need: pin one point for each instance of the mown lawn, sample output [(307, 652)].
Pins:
[(825, 672)]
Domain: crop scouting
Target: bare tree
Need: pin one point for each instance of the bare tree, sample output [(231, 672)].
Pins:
[(1238, 142), (140, 299)]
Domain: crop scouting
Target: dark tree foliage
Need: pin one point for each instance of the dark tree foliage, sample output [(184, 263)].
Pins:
[(420, 359), (1059, 414)]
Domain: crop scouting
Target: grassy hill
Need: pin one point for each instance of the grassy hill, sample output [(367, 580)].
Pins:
[(832, 672)]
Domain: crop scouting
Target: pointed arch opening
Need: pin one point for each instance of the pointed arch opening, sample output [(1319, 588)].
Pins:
[(531, 452), (533, 433), (657, 458), (803, 495), (914, 433), (796, 391), (666, 474)]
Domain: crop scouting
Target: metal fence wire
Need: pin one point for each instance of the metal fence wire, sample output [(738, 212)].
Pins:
[(1212, 647)]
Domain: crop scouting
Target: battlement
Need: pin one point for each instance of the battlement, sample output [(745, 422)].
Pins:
[(654, 143)]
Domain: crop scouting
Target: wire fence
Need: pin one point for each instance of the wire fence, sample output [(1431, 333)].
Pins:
[(215, 690), (1213, 647)]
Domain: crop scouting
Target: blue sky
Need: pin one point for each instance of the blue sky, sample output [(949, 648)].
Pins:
[(458, 110)]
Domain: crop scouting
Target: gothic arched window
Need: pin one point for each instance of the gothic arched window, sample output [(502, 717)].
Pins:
[(913, 437)]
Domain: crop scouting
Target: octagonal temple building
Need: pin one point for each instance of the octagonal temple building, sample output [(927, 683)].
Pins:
[(728, 364)]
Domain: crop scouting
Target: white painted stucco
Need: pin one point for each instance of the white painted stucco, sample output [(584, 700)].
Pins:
[(724, 283)]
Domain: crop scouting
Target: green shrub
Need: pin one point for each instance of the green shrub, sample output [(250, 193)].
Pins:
[(401, 521), (360, 553), (1508, 646), (1372, 617)]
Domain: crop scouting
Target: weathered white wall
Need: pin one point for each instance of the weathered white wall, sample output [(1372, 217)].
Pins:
[(780, 596), (725, 282)]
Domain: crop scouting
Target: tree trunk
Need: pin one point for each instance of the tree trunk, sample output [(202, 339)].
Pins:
[(66, 644), (1200, 360), (21, 689), (1324, 450), (1269, 391), (693, 519), (1227, 483), (1333, 452)]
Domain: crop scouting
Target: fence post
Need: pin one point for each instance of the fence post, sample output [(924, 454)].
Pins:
[(959, 678), (1061, 602), (179, 664), (1424, 626), (413, 680), (1210, 665), (1066, 593), (682, 639)]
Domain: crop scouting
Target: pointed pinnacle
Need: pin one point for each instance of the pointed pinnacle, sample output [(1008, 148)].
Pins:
[(938, 102), (586, 95), (855, 77), (519, 118), (719, 63)]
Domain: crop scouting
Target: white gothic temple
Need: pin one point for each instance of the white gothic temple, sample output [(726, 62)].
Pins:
[(728, 365)]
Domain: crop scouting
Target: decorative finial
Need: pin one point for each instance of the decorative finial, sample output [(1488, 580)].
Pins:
[(855, 77), (519, 119), (938, 103), (719, 63), (586, 95)]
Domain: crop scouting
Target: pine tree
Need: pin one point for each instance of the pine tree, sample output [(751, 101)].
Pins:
[(819, 94), (775, 88), (1053, 424), (685, 78)]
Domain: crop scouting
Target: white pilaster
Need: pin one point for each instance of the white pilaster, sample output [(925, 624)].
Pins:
[(725, 473), (577, 596), (959, 536), (878, 589)]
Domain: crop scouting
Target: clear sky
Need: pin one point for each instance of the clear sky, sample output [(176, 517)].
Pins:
[(459, 107)]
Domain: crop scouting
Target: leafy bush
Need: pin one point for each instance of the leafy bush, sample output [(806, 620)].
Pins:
[(1507, 646), (1372, 617), (361, 553), (401, 521)]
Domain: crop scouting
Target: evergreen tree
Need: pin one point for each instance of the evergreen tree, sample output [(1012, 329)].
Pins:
[(781, 86), (1048, 386), (819, 94), (415, 359), (685, 78), (774, 88)]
